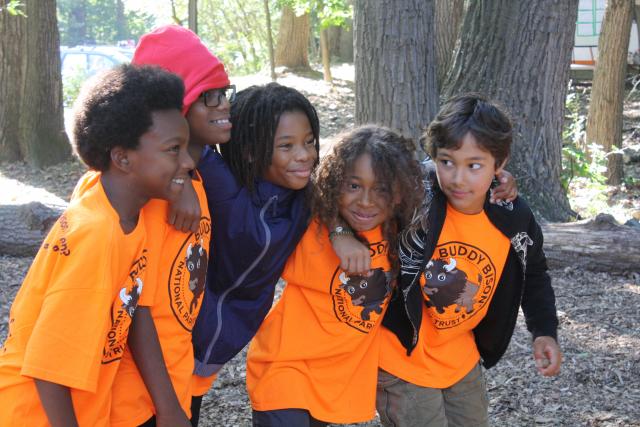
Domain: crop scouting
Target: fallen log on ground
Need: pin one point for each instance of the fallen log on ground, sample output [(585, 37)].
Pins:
[(599, 244), (24, 227)]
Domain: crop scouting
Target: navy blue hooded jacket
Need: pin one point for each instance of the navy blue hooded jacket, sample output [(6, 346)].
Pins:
[(253, 234)]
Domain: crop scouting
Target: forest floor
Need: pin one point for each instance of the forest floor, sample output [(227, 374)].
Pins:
[(599, 312)]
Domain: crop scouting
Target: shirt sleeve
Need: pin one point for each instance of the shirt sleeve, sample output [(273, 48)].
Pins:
[(65, 346)]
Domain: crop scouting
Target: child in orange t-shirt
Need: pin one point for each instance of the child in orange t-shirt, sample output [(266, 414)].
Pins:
[(456, 309), (70, 320), (314, 359), (182, 256)]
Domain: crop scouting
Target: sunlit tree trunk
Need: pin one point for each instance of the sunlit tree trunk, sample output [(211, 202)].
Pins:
[(292, 49), (395, 64), (272, 61), (604, 121), (518, 52), (326, 55), (31, 113)]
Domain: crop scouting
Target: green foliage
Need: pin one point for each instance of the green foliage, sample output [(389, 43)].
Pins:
[(329, 12), (71, 85), (14, 7), (589, 164), (236, 32)]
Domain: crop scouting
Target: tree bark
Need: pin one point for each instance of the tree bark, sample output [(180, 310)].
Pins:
[(12, 34), (292, 49), (272, 61), (604, 121), (518, 53), (31, 112), (594, 245), (395, 64), (449, 14)]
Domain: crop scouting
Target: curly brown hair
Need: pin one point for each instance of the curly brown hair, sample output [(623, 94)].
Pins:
[(392, 159)]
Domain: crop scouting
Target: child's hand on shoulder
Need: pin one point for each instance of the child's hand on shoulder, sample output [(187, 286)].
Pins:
[(354, 255), (184, 212), (507, 190), (547, 355)]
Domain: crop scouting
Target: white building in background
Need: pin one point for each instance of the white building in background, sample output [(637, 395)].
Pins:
[(590, 15)]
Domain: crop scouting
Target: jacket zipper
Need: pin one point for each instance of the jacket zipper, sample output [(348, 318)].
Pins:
[(240, 279)]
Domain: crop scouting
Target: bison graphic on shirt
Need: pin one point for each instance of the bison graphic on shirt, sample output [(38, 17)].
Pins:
[(367, 292), (445, 285)]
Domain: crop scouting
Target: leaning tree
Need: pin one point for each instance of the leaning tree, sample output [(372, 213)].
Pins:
[(518, 52), (604, 121), (395, 64), (31, 113)]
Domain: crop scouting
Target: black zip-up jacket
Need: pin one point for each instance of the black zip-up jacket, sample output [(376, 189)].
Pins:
[(524, 281)]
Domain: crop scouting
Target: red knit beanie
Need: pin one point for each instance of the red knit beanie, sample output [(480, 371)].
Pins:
[(180, 51)]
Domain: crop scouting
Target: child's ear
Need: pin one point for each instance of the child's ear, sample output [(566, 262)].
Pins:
[(119, 157)]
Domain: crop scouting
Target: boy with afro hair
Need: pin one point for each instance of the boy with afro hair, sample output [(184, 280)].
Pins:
[(70, 320)]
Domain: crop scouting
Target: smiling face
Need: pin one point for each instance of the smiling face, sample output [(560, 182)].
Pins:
[(160, 163), (465, 174), (209, 125), (364, 202), (294, 152)]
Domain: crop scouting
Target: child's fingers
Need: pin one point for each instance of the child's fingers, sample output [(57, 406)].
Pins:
[(172, 217), (195, 225), (547, 355)]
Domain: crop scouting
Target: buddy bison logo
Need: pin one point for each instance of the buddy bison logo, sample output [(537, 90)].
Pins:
[(122, 311), (358, 300), (367, 292), (197, 265), (458, 283), (188, 274)]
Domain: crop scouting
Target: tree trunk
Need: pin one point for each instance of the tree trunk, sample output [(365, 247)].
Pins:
[(449, 14), (12, 33), (272, 61), (122, 30), (595, 245), (31, 112), (292, 49), (395, 64), (78, 24), (326, 55), (193, 15), (518, 52), (341, 41), (604, 121)]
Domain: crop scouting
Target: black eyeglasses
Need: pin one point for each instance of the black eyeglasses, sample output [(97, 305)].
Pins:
[(213, 97)]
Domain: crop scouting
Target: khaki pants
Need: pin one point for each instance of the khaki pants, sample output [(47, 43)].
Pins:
[(402, 404)]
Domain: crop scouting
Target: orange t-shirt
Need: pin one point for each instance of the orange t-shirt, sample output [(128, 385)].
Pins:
[(181, 261), (70, 319), (458, 285), (318, 349)]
